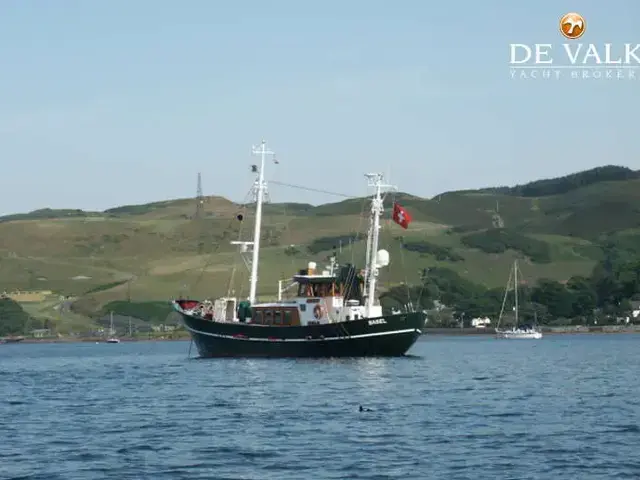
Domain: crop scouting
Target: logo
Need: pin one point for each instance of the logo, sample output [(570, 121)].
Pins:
[(572, 25), (377, 321), (574, 60)]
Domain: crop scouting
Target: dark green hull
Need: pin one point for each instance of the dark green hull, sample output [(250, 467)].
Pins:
[(389, 336)]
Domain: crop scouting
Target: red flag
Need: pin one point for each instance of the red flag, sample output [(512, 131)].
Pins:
[(401, 216)]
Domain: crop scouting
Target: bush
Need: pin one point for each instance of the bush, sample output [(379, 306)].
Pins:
[(105, 286), (439, 252), (155, 312), (322, 244), (499, 240), (292, 251)]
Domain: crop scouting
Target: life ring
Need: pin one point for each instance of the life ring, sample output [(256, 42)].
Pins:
[(318, 311)]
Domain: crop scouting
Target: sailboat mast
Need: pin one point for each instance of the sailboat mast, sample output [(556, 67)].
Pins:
[(260, 190), (515, 281), (375, 180)]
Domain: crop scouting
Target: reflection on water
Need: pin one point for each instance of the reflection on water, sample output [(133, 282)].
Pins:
[(373, 374)]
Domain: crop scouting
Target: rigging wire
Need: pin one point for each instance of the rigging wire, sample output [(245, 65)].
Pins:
[(241, 217), (225, 234), (244, 205), (288, 235), (410, 305), (401, 250), (357, 232), (317, 190)]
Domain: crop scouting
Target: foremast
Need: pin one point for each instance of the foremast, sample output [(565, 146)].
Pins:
[(259, 191), (375, 180)]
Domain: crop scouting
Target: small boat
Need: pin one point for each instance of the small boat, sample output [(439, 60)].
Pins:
[(335, 312), (515, 332), (112, 338), (11, 339)]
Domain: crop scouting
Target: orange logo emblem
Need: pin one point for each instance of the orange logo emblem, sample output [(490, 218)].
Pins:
[(572, 25)]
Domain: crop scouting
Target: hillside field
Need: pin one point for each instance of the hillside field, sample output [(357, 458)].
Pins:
[(153, 252)]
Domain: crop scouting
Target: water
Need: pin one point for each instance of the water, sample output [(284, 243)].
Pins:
[(462, 408)]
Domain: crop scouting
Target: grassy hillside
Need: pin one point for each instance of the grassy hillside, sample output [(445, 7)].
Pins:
[(150, 253)]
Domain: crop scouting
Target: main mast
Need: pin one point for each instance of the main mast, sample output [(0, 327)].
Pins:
[(372, 269), (260, 189), (515, 288)]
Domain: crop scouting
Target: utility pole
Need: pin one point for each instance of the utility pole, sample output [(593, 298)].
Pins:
[(199, 198)]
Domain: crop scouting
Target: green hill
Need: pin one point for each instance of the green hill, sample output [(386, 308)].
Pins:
[(150, 253), (568, 183)]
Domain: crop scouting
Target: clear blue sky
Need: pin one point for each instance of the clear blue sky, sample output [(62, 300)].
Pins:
[(111, 102)]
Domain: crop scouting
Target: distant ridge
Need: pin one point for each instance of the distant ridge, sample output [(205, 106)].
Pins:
[(559, 185), (48, 213), (537, 188)]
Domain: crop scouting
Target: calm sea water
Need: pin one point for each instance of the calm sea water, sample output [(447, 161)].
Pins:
[(460, 408)]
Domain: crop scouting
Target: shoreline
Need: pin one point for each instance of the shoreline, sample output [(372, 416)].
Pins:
[(569, 330), (14, 341), (608, 330)]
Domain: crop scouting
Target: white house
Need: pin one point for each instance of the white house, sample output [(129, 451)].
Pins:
[(481, 322)]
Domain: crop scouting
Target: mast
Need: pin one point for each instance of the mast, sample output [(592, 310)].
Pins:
[(367, 260), (515, 281), (260, 188), (372, 270)]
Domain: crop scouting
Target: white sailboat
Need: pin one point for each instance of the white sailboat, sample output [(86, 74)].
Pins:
[(515, 332), (112, 338)]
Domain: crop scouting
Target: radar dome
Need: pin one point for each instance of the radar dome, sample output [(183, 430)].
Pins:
[(382, 258)]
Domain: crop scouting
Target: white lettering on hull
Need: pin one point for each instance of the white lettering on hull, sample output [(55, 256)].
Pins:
[(377, 321)]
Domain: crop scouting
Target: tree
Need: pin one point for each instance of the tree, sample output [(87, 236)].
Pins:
[(629, 278), (584, 296), (13, 319), (555, 296)]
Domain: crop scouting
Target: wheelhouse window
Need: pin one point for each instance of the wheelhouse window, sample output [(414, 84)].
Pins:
[(316, 289), (276, 316)]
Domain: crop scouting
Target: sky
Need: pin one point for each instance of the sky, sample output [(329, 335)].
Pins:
[(114, 102)]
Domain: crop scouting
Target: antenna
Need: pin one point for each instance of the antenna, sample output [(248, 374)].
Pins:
[(199, 198)]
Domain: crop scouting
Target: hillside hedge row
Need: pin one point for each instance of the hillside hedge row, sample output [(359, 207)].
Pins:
[(499, 240)]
